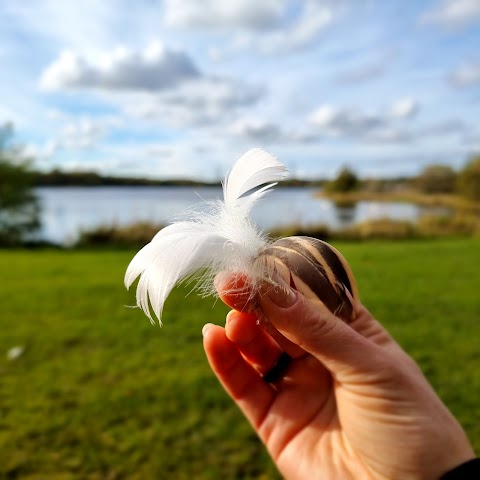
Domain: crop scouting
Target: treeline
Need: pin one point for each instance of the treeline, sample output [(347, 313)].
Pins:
[(434, 179), (89, 178), (59, 178)]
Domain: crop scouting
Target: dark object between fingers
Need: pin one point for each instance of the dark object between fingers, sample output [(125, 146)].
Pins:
[(466, 471), (278, 370)]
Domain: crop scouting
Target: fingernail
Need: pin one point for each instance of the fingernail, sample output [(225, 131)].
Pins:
[(281, 294), (227, 319), (206, 328)]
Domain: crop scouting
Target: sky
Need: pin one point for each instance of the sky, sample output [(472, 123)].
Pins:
[(182, 88)]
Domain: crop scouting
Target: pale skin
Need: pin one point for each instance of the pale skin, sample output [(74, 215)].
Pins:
[(352, 404)]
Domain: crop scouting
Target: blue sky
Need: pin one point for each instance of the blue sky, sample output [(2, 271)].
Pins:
[(168, 88)]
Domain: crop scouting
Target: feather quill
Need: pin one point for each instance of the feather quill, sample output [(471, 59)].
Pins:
[(219, 237)]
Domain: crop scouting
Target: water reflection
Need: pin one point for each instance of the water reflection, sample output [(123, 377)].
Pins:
[(345, 212), (67, 211)]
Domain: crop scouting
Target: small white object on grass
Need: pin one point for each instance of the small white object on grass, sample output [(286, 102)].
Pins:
[(15, 352)]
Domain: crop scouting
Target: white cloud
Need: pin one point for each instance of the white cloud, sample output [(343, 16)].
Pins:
[(337, 122), (291, 26), (377, 127), (80, 135), (85, 132), (257, 130), (261, 131), (245, 14), (75, 133), (344, 121), (201, 102), (404, 108), (40, 153), (466, 75), (389, 134), (362, 73), (314, 19), (445, 128), (186, 159), (157, 83), (370, 69), (156, 68), (454, 13), (86, 24)]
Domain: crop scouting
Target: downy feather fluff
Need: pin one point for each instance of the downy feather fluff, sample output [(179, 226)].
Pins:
[(219, 237)]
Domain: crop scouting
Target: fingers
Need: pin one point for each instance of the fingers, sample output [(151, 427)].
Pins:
[(236, 292), (305, 325), (240, 379), (255, 344), (314, 328)]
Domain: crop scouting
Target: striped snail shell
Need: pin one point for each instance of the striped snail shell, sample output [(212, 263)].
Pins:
[(315, 269)]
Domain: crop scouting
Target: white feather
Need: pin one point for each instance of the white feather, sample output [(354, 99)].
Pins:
[(219, 237)]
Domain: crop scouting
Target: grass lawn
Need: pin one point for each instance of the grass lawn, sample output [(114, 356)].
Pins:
[(99, 393)]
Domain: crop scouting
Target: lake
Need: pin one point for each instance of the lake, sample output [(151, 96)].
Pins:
[(66, 211)]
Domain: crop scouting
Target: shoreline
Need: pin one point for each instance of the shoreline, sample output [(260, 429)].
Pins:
[(455, 202)]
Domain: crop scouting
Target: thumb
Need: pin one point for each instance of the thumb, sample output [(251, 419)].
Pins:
[(309, 324)]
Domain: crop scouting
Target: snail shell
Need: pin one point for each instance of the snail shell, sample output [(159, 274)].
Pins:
[(315, 269)]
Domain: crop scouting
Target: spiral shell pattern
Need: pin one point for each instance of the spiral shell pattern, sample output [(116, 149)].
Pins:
[(315, 269)]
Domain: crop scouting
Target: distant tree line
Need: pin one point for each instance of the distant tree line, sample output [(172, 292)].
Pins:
[(433, 179), (57, 178)]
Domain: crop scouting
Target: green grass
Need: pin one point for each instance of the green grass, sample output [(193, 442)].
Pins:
[(99, 393)]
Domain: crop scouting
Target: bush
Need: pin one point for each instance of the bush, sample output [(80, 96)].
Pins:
[(19, 209), (133, 235), (468, 183), (346, 181), (428, 226), (460, 225), (379, 229), (454, 225), (436, 179)]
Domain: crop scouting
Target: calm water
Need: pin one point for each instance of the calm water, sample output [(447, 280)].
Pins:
[(68, 210)]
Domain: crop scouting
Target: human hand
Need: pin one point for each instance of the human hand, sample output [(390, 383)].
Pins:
[(352, 403)]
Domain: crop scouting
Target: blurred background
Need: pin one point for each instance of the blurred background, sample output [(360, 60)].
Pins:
[(115, 117)]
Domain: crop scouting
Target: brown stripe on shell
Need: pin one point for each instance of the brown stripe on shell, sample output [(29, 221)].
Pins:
[(329, 257), (299, 247), (308, 263), (305, 272), (339, 265), (303, 246)]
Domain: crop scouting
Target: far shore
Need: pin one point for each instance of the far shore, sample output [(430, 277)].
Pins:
[(452, 201)]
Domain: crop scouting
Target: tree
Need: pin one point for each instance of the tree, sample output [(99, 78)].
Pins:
[(468, 183), (346, 181), (436, 179), (19, 208)]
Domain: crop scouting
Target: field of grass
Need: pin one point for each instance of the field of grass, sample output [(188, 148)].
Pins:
[(99, 393)]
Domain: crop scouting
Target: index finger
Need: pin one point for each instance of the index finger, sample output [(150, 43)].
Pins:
[(237, 292)]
